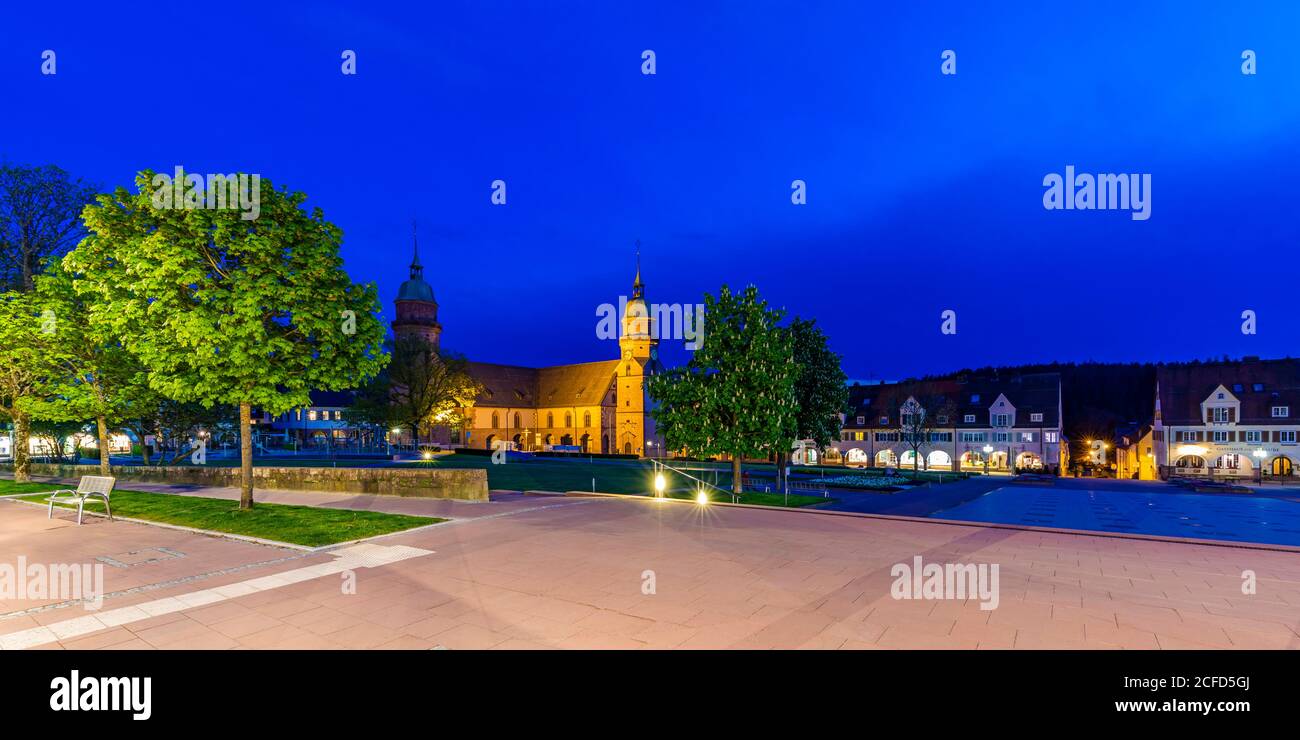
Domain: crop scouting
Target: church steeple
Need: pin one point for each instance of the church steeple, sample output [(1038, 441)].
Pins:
[(638, 289), (417, 270), (417, 310)]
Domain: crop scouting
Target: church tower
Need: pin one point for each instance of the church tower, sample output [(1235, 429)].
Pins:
[(417, 311), (640, 357)]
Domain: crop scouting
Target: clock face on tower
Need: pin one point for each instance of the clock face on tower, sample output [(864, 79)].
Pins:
[(627, 354), (654, 353)]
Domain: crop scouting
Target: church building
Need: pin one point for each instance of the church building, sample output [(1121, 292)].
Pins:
[(594, 407)]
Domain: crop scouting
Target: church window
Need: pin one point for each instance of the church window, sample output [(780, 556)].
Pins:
[(550, 419), (517, 424), (568, 419), (496, 420), (586, 418)]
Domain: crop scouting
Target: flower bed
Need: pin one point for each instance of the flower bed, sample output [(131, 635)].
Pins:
[(862, 481)]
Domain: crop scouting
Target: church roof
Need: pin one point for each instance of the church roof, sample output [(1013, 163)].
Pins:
[(583, 384)]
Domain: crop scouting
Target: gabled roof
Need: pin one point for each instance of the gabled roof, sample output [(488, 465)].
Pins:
[(1258, 384), (1030, 393), (583, 384)]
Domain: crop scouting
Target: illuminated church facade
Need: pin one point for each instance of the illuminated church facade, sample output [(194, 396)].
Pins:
[(594, 407)]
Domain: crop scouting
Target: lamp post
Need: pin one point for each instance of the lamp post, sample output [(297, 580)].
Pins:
[(988, 449), (1259, 457)]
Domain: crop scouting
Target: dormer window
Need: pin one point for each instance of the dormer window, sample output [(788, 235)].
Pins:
[(1035, 417), (1220, 396), (1236, 388), (968, 419), (862, 420), (1257, 387), (975, 398), (1281, 412)]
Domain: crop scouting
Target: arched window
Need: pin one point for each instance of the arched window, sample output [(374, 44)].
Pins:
[(496, 420), (517, 424), (550, 419), (586, 418), (568, 419)]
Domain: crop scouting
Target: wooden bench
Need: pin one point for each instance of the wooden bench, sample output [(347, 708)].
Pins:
[(90, 486)]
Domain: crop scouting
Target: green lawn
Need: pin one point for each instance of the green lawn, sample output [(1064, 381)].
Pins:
[(300, 525), (610, 476)]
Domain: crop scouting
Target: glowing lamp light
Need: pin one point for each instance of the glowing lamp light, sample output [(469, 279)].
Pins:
[(660, 484), (701, 498), (1260, 454), (427, 455), (988, 449)]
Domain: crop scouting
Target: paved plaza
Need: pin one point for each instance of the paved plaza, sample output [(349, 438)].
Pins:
[(557, 572)]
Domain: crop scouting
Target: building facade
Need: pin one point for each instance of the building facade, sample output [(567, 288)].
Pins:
[(593, 407), (1229, 419), (998, 424)]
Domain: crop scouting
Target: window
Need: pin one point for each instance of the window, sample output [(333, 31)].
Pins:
[(969, 418), (1187, 436), (862, 420), (496, 420), (1050, 437), (311, 415), (568, 419), (1253, 436), (1257, 387), (1236, 388), (909, 420), (517, 424), (1002, 420), (1220, 436), (884, 420), (941, 419), (1001, 437), (1036, 417), (1288, 437), (1220, 415), (1026, 436), (550, 419), (1281, 412), (975, 398), (972, 436), (940, 436), (1220, 396), (586, 418)]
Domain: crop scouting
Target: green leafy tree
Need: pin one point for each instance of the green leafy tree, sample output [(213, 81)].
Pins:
[(819, 389), (736, 395), (24, 370), (227, 310), (95, 377)]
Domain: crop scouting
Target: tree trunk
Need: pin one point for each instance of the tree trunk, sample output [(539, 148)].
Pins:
[(101, 427), (781, 477), (735, 474), (22, 448), (245, 456), (144, 450)]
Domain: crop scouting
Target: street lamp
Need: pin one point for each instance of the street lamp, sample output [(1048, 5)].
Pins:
[(988, 449), (660, 484)]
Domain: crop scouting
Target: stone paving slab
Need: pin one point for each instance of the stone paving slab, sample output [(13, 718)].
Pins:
[(625, 573)]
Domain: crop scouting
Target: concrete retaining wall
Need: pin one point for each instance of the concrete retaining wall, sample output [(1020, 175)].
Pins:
[(460, 484)]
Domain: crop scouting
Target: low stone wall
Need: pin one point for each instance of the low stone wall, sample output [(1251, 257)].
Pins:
[(461, 484)]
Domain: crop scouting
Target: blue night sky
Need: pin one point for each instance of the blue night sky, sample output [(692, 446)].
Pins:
[(924, 190)]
